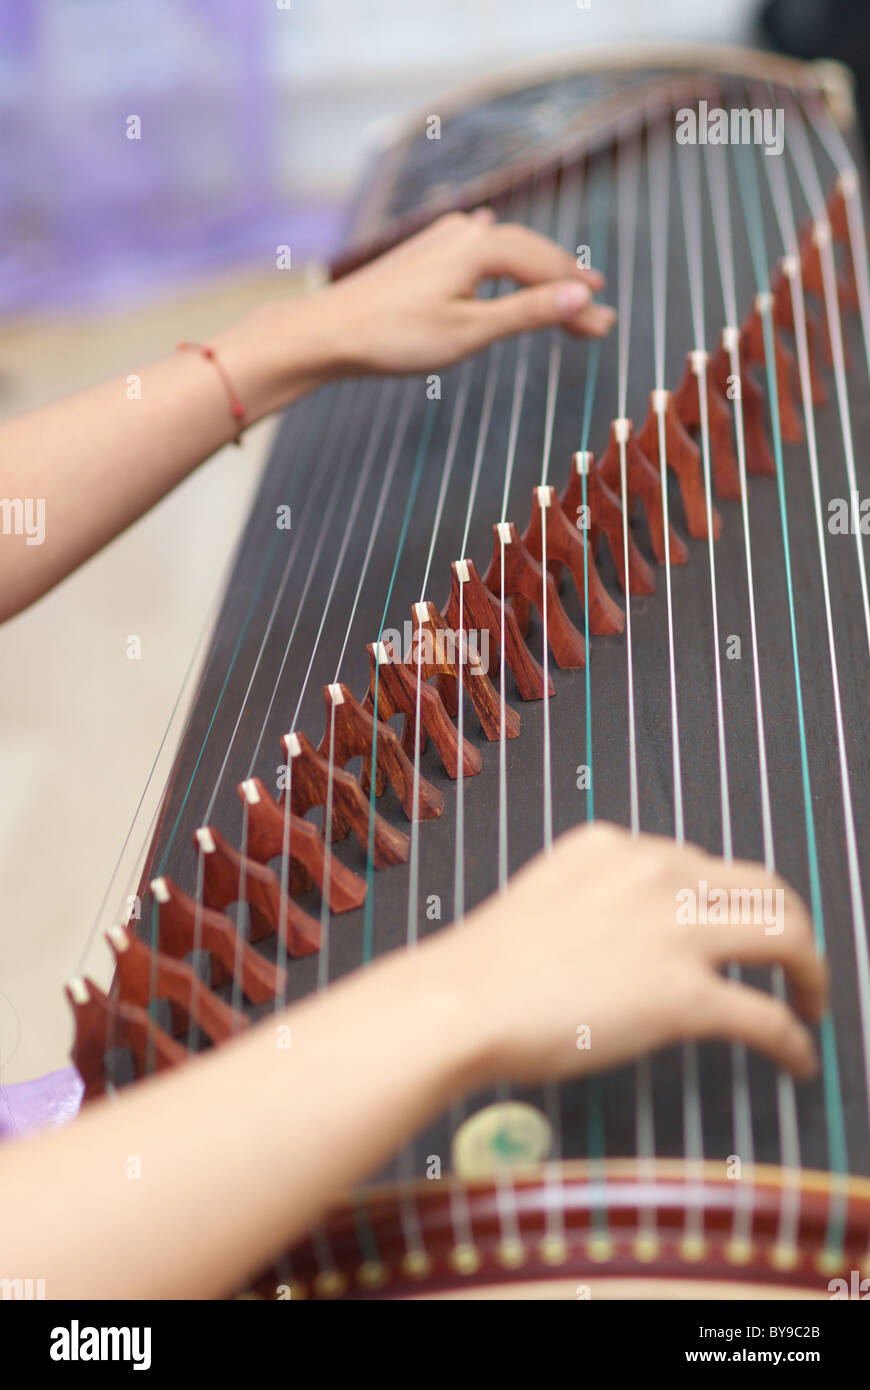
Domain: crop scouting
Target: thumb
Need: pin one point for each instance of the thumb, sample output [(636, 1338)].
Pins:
[(539, 306)]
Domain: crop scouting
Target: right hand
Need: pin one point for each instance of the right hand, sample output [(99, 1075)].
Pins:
[(588, 937)]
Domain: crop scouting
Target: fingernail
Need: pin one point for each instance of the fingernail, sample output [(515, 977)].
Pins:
[(572, 297)]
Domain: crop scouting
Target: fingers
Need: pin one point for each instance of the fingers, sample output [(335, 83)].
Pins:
[(527, 257), (558, 292), (765, 923), (568, 303), (807, 974), (738, 1013), (594, 322)]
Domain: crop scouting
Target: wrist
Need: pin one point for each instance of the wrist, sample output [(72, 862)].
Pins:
[(452, 971), (274, 355)]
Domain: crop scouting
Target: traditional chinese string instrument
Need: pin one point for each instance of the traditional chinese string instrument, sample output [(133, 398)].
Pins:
[(666, 629)]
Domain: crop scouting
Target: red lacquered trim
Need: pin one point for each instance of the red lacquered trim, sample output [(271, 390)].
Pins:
[(602, 1217)]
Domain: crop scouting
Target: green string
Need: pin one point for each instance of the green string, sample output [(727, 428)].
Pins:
[(747, 178), (422, 452), (249, 614), (599, 199), (315, 414), (366, 1238), (598, 245)]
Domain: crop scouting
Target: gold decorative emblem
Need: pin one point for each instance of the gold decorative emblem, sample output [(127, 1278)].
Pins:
[(509, 1134)]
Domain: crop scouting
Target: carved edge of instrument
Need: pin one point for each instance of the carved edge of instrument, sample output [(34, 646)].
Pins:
[(588, 1248), (372, 232)]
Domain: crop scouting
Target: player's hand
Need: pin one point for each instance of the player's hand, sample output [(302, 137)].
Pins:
[(590, 937), (415, 307)]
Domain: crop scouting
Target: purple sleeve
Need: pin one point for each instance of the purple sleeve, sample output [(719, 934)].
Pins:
[(43, 1103)]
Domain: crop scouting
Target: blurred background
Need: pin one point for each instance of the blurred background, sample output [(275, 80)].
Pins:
[(254, 118), (255, 115)]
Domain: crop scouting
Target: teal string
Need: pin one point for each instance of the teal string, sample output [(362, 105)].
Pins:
[(366, 1238), (248, 615), (419, 464), (598, 246), (316, 414), (747, 178)]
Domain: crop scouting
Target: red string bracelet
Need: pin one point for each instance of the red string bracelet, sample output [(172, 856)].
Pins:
[(236, 408)]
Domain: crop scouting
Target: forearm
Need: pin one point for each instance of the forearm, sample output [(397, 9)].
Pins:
[(193, 1181), (97, 461), (242, 1150)]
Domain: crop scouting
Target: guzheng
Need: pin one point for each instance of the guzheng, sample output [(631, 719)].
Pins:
[(561, 581)]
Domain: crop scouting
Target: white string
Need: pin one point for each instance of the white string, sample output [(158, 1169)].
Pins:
[(506, 1197), (449, 458), (804, 163), (460, 1212), (790, 1148), (742, 1108), (320, 1240), (335, 493), (850, 184), (659, 181), (690, 196), (453, 440), (336, 425), (553, 371), (785, 216), (568, 226), (627, 181)]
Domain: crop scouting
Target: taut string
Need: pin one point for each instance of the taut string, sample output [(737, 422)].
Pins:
[(717, 178), (567, 231), (600, 197), (334, 494), (627, 181), (659, 191), (747, 179), (464, 1253), (799, 148), (837, 1143), (249, 613), (688, 166), (510, 1243)]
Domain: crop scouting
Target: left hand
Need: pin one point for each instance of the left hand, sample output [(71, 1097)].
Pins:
[(414, 308)]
